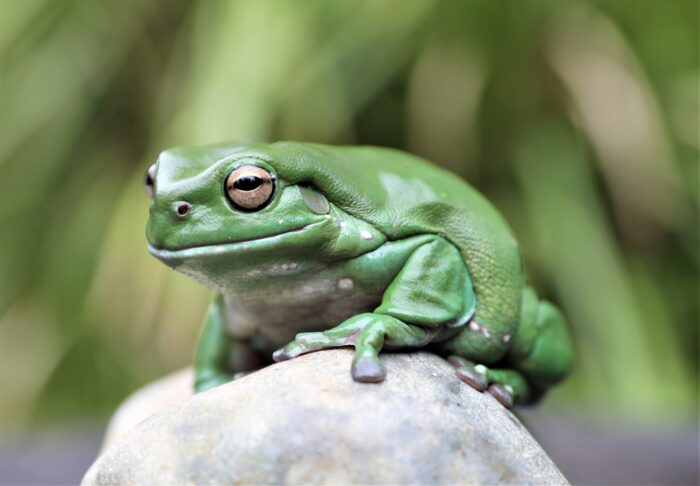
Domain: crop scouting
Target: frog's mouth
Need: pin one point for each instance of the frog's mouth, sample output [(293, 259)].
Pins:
[(172, 256)]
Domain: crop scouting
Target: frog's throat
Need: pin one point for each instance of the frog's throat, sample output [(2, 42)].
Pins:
[(168, 255)]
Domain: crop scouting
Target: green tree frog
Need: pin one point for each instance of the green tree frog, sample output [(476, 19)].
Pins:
[(310, 247)]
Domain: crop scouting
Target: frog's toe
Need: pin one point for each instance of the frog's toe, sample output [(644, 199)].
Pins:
[(502, 393), (459, 362), (368, 369), (473, 377), (291, 350), (506, 385)]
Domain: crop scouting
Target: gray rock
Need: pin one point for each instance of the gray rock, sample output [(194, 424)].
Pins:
[(306, 421), (148, 400)]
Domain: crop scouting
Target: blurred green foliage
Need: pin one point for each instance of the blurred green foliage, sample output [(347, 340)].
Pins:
[(578, 119)]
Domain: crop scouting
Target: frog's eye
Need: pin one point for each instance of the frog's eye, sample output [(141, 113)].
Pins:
[(250, 187), (150, 180)]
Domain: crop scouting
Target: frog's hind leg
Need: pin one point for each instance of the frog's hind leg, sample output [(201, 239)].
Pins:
[(542, 350), (540, 356)]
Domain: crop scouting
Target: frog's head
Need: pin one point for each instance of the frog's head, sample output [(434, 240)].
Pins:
[(227, 209), (216, 200)]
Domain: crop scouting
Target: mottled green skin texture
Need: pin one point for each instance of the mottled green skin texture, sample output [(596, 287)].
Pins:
[(359, 246)]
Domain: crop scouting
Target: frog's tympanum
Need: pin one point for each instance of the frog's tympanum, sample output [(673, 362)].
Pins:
[(311, 247)]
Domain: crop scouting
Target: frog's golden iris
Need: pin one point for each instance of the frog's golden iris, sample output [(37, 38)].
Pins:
[(250, 187)]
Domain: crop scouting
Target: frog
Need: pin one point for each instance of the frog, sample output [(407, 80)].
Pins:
[(310, 247)]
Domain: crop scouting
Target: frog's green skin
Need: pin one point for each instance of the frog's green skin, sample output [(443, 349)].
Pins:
[(358, 246)]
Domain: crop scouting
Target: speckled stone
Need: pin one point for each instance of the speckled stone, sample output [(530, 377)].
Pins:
[(306, 421)]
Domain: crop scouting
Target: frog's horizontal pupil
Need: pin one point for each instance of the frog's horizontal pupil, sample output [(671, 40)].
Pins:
[(247, 183)]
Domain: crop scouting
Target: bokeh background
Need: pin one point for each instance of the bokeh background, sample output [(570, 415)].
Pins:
[(578, 119)]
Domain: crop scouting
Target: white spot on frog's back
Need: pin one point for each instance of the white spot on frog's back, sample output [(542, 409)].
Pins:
[(506, 338), (366, 235), (345, 283)]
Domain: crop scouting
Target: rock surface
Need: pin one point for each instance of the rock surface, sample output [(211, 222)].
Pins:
[(148, 400), (306, 421)]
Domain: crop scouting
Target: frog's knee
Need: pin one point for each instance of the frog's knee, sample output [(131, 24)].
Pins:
[(544, 350)]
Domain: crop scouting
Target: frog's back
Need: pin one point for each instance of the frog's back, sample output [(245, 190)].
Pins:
[(403, 195)]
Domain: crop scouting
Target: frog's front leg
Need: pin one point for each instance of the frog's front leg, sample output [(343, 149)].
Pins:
[(368, 332), (220, 357), (431, 292)]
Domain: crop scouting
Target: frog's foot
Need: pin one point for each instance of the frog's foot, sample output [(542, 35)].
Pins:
[(505, 385), (306, 342), (368, 333), (207, 380)]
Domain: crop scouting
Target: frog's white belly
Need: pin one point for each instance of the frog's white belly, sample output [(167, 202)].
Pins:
[(277, 314)]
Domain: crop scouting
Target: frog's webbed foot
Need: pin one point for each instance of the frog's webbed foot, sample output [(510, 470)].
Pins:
[(507, 386), (368, 333)]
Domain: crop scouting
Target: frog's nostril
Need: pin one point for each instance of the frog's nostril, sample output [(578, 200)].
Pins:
[(182, 209)]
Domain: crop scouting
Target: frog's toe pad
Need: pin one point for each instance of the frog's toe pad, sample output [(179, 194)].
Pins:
[(502, 394), (368, 370), (472, 378), (285, 353)]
